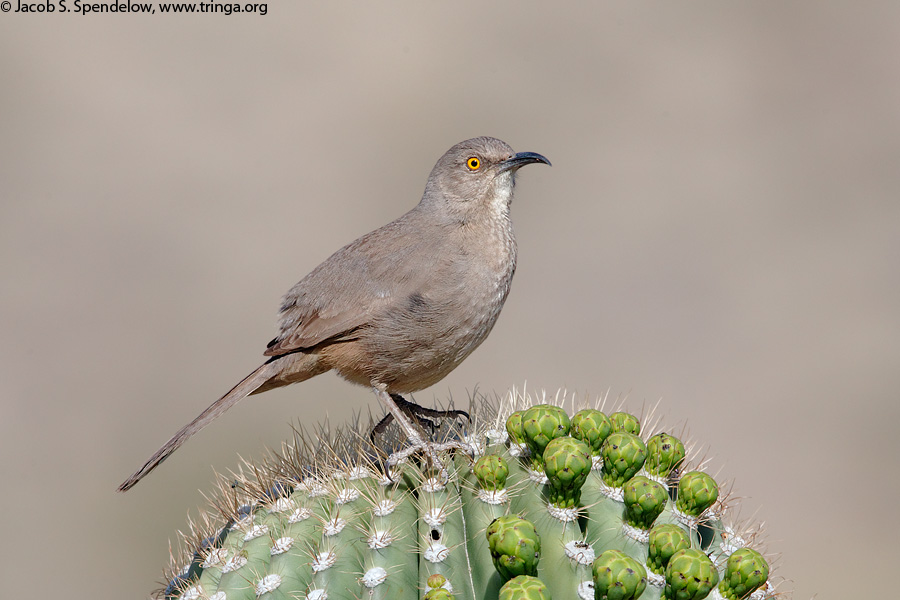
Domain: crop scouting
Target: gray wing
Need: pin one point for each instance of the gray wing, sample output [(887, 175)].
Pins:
[(357, 282)]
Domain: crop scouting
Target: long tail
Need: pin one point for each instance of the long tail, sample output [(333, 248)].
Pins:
[(247, 386)]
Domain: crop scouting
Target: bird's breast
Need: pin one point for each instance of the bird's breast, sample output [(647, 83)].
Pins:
[(492, 260)]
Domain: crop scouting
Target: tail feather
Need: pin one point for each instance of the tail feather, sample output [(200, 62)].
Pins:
[(247, 386)]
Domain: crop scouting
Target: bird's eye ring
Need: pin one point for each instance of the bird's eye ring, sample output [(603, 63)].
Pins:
[(473, 163)]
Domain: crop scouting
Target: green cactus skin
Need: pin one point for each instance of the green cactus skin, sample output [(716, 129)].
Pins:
[(645, 500), (623, 421), (389, 543), (617, 576), (690, 575), (307, 526), (592, 427), (442, 528), (623, 456), (524, 587), (665, 540), (515, 546), (697, 491), (745, 572), (540, 424), (664, 453)]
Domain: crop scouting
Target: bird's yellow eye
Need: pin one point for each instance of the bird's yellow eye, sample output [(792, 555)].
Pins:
[(473, 163)]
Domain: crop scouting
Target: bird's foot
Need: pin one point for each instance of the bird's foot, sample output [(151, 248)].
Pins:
[(430, 450), (400, 410), (425, 417)]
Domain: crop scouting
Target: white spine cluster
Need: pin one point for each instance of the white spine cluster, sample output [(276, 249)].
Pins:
[(281, 545), (373, 577), (268, 584)]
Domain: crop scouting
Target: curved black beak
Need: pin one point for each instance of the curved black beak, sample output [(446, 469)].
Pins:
[(520, 159)]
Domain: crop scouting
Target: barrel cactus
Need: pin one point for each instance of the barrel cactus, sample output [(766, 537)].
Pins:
[(545, 504)]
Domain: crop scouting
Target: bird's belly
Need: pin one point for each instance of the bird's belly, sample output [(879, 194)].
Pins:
[(411, 350), (429, 361)]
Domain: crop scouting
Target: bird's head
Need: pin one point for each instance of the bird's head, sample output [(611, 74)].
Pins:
[(477, 175)]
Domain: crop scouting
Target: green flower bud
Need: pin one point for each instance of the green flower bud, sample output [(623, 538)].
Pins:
[(542, 423), (745, 572), (645, 500), (515, 546), (622, 421), (567, 464), (690, 576), (591, 427), (664, 453), (491, 472), (665, 540), (524, 587), (617, 576), (623, 456), (514, 427), (435, 581), (697, 491), (438, 594)]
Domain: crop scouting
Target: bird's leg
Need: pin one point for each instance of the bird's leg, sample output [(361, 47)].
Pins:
[(406, 407), (415, 437), (382, 425), (422, 415)]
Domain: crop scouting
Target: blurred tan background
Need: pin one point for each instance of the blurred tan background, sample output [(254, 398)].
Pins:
[(720, 230)]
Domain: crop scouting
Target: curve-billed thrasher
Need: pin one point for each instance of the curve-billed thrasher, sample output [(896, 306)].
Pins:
[(402, 306)]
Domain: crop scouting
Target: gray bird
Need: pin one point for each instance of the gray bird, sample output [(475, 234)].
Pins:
[(402, 306)]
